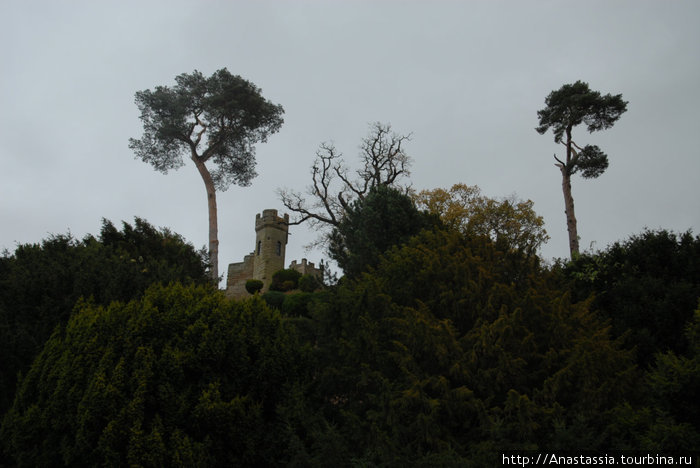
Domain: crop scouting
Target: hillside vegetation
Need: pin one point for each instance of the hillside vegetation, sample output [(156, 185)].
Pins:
[(446, 348)]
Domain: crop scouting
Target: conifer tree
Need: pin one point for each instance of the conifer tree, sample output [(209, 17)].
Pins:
[(216, 120), (566, 108)]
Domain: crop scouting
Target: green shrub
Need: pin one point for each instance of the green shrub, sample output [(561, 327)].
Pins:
[(274, 299), (253, 286), (296, 304), (285, 280), (172, 379), (41, 283), (309, 283)]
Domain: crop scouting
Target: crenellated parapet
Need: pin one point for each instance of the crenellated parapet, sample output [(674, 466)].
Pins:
[(271, 233), (270, 220), (267, 257), (307, 268)]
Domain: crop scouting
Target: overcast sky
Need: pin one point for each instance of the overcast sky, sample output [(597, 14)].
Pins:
[(466, 78)]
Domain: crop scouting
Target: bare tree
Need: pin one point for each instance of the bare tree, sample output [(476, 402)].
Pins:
[(383, 161)]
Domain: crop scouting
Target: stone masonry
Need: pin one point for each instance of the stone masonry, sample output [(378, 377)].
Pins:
[(271, 233)]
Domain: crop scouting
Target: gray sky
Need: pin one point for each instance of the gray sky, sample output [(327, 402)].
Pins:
[(465, 77)]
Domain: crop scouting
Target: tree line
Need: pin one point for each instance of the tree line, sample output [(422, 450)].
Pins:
[(445, 341), (219, 120), (445, 349)]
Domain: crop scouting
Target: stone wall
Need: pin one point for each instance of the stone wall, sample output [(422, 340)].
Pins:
[(307, 268), (238, 274)]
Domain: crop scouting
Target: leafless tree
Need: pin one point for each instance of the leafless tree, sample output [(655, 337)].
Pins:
[(383, 161)]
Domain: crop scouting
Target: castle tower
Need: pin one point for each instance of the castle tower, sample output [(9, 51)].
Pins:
[(270, 244)]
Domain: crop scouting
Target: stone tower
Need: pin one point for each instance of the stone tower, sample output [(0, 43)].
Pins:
[(271, 233), (267, 258)]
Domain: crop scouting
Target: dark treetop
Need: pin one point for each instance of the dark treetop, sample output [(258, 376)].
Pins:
[(218, 118)]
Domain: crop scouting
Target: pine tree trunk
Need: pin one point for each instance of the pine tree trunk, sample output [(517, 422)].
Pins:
[(566, 171), (213, 223), (569, 210)]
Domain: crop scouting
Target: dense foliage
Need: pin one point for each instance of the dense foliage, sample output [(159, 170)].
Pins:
[(456, 348), (446, 349), (309, 283), (384, 218), (509, 222), (285, 280), (218, 118), (253, 286), (214, 121), (648, 286), (180, 377), (40, 283)]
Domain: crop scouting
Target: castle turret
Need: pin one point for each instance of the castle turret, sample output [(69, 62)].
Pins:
[(267, 258), (270, 244)]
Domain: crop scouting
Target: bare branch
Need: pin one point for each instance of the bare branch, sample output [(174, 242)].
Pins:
[(383, 157), (293, 201), (342, 174), (333, 189), (202, 125), (322, 179), (573, 143)]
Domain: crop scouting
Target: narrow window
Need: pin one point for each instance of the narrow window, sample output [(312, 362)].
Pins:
[(259, 246), (279, 248)]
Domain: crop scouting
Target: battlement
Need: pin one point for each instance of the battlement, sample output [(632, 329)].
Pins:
[(270, 219), (267, 258), (307, 268)]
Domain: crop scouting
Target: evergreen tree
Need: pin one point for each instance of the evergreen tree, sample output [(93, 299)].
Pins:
[(180, 377), (666, 417), (648, 285), (454, 347), (566, 108), (216, 120), (385, 217), (40, 284)]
